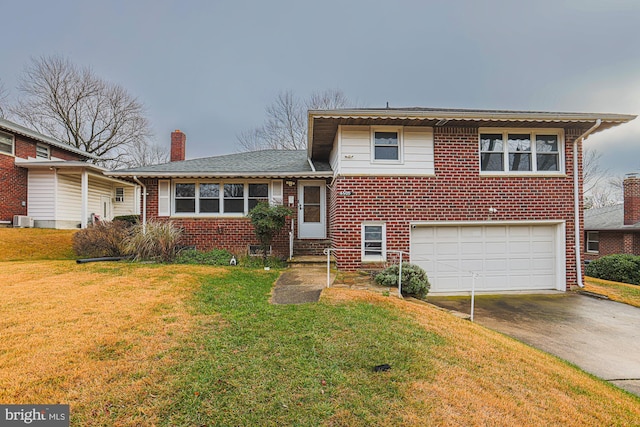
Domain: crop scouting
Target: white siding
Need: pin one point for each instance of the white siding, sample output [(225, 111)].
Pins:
[(353, 157), (128, 207), (41, 195), (97, 189), (69, 198)]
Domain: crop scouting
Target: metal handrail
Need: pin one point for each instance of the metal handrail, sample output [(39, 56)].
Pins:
[(474, 274)]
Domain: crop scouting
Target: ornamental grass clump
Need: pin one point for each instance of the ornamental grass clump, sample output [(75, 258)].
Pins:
[(102, 239), (414, 279), (157, 241)]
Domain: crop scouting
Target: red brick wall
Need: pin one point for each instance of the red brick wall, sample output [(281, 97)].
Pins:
[(616, 242), (13, 179), (631, 200), (457, 192), (232, 233)]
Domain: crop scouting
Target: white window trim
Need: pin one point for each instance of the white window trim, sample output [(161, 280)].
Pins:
[(590, 240), (118, 198), (45, 148), (399, 131), (505, 151), (371, 258), (13, 144), (197, 182)]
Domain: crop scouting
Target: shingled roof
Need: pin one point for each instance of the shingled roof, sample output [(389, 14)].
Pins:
[(254, 164), (607, 218)]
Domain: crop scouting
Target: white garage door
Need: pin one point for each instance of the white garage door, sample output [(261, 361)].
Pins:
[(506, 257)]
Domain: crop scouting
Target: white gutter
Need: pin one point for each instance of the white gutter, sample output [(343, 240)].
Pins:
[(144, 202), (576, 199), (313, 168)]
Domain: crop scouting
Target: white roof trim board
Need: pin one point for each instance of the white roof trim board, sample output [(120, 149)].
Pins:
[(6, 125)]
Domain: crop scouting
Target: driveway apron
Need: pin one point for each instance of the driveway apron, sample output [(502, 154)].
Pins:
[(601, 337)]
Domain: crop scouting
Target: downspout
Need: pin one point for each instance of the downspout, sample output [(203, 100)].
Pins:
[(144, 202), (576, 199)]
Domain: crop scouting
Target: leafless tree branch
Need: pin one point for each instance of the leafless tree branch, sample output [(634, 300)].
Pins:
[(285, 127), (74, 105)]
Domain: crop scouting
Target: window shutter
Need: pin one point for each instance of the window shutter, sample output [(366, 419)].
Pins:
[(276, 192), (164, 197)]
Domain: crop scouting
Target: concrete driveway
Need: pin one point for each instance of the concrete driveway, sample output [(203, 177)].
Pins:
[(601, 337)]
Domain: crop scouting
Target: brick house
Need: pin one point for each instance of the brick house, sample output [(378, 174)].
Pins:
[(615, 229), (53, 183), (462, 193)]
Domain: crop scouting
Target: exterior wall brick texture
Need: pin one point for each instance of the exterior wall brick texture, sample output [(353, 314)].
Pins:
[(457, 192)]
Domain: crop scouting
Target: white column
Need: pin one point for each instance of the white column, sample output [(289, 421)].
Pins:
[(85, 198)]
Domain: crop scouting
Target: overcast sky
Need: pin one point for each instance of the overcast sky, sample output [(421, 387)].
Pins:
[(211, 67)]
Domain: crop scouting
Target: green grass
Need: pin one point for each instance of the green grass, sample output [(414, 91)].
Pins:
[(294, 365)]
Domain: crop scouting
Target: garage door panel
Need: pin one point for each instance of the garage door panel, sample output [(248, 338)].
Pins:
[(496, 248), (542, 247), (495, 232), (506, 257), (472, 248), (446, 233), (522, 247)]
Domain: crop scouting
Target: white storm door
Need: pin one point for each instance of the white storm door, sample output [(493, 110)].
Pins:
[(106, 208), (312, 210)]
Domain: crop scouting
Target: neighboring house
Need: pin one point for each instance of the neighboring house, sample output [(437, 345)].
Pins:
[(462, 193), (52, 183), (615, 229)]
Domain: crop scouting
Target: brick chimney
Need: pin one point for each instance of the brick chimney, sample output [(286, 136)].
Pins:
[(631, 199), (178, 145)]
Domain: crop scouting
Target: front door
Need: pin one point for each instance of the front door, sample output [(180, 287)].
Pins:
[(106, 208), (312, 210)]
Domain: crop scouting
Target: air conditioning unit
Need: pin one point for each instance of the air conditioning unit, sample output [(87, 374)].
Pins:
[(22, 221)]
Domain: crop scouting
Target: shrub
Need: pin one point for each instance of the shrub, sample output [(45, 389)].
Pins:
[(618, 268), (102, 239), (158, 241), (212, 257), (131, 219), (267, 221), (414, 279)]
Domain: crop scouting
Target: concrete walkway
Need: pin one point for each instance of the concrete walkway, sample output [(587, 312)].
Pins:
[(300, 284), (602, 337)]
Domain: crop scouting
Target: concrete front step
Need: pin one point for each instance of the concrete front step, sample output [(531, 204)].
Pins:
[(310, 261)]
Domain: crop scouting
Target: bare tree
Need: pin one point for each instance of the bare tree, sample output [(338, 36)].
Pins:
[(74, 105), (4, 96), (592, 172), (144, 154), (286, 124)]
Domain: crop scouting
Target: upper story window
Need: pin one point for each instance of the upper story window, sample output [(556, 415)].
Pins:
[(386, 144), (42, 151), (210, 198), (518, 151), (6, 143)]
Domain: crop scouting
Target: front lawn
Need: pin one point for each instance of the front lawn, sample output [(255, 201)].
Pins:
[(130, 344), (616, 291), (35, 244)]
